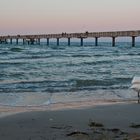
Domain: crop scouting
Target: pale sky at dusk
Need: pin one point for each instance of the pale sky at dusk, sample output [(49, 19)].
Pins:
[(56, 16)]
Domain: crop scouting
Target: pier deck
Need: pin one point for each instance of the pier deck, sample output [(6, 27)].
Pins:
[(31, 39)]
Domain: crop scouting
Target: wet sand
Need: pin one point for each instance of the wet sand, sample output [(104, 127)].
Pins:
[(106, 122)]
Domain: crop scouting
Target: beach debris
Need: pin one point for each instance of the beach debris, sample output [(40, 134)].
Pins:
[(126, 139), (117, 132), (114, 130), (100, 133), (95, 124), (61, 127), (133, 125), (77, 133)]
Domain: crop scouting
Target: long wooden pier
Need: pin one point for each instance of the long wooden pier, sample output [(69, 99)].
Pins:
[(32, 39)]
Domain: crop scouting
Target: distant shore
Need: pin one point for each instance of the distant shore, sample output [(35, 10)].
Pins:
[(118, 121)]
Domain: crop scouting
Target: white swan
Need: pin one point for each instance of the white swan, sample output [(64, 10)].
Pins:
[(136, 86)]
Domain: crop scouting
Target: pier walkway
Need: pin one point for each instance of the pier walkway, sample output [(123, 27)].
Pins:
[(32, 39)]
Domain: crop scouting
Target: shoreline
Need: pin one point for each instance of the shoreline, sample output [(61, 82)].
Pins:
[(115, 121), (6, 110)]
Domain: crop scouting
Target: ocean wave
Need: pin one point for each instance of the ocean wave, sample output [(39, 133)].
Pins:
[(81, 55), (4, 53), (14, 63), (94, 82), (102, 83), (97, 62), (133, 54), (16, 49), (62, 69)]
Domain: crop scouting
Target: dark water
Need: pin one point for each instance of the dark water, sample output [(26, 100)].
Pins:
[(40, 74)]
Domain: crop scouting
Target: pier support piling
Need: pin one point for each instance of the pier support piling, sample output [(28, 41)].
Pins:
[(17, 41), (4, 41), (28, 42), (96, 41), (82, 42), (68, 41), (57, 41), (113, 41), (138, 97), (23, 41), (133, 41), (48, 43), (38, 41), (11, 40), (32, 41)]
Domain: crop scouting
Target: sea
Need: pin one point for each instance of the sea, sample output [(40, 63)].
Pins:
[(40, 75)]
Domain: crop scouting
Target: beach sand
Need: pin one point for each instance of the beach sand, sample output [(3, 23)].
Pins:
[(106, 122)]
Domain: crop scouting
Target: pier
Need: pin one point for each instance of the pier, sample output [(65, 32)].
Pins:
[(36, 39)]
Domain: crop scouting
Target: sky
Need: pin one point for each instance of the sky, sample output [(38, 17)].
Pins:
[(57, 16)]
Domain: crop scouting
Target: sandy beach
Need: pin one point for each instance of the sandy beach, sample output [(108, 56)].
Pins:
[(106, 122)]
